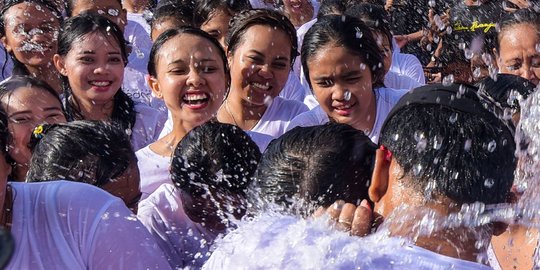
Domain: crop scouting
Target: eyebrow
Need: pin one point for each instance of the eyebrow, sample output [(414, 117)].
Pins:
[(28, 111), (93, 52), (286, 58), (180, 61)]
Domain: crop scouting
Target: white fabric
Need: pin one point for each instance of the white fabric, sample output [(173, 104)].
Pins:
[(69, 225), (148, 125), (399, 81), (293, 90), (154, 171), (185, 243), (492, 258), (275, 120), (297, 67), (134, 83), (274, 241), (386, 99), (408, 65)]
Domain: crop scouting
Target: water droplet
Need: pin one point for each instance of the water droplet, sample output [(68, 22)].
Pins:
[(468, 144), (347, 95), (437, 142), (395, 137), (468, 53), (417, 169), (448, 80), (491, 146), (489, 182), (477, 72), (453, 118)]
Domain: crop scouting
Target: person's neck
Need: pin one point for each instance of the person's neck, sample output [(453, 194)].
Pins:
[(47, 74), (166, 145), (238, 112), (137, 6), (90, 110), (367, 124), (459, 242), (19, 172)]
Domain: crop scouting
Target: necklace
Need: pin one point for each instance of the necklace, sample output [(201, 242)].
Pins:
[(7, 217), (229, 112)]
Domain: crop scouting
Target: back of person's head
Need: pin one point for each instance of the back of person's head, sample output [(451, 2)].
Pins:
[(374, 16), (349, 33), (214, 156), (449, 144), (331, 7), (175, 13), (316, 165), (92, 152), (205, 9)]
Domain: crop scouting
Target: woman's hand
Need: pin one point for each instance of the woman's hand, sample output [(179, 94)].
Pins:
[(349, 217)]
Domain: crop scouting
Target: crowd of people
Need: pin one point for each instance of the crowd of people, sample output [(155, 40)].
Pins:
[(269, 134)]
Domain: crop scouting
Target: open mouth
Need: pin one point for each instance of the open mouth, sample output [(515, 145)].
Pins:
[(100, 83), (196, 100), (265, 86), (344, 109)]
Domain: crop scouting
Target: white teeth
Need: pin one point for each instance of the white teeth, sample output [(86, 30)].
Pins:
[(343, 107), (261, 86), (193, 97), (100, 83)]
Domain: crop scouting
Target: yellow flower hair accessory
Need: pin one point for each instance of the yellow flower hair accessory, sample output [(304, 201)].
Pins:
[(38, 132)]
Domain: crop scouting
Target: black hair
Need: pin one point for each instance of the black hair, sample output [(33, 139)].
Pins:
[(348, 32), (73, 30), (329, 7), (211, 149), (318, 164), (8, 86), (18, 67), (505, 88), (180, 13), (374, 16), (5, 136), (522, 16), (69, 4), (245, 19), (171, 33), (464, 156), (92, 152), (205, 9)]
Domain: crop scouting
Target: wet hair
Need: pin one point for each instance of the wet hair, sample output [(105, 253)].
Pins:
[(7, 246), (206, 9), (188, 30), (245, 19), (18, 67), (70, 4), (73, 30), (374, 16), (92, 152), (5, 136), (329, 7), (466, 156), (505, 88), (216, 155), (8, 86), (348, 32), (178, 13), (318, 164), (522, 16)]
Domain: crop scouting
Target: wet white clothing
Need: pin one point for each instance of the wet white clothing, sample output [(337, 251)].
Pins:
[(274, 241), (386, 99), (134, 84), (293, 90), (185, 243), (148, 125), (154, 170), (399, 81), (69, 225), (275, 121), (408, 65)]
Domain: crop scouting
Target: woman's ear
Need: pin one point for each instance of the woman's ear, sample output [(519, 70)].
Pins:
[(380, 176), (4, 42), (154, 86), (59, 64)]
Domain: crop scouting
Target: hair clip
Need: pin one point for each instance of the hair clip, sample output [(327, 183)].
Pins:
[(38, 132), (387, 153)]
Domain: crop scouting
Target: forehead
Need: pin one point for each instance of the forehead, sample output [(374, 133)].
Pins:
[(266, 37), (331, 56), (186, 47), (95, 41), (29, 97), (29, 12), (92, 5)]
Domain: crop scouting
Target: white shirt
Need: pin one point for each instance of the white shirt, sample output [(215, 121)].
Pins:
[(408, 65), (148, 124), (275, 121), (293, 90), (274, 241), (185, 243), (69, 225), (154, 170), (399, 81), (386, 99)]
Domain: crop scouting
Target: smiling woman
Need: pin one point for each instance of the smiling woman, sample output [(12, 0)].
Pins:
[(261, 48)]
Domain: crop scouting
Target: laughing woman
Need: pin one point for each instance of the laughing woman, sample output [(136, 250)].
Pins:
[(91, 57), (188, 71), (261, 47)]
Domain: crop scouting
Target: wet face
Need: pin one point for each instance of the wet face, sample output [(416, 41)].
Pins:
[(31, 34), (385, 48), (27, 107), (518, 52), (165, 24), (217, 25), (260, 65), (190, 78), (111, 9), (126, 186), (94, 67), (342, 84), (299, 11)]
